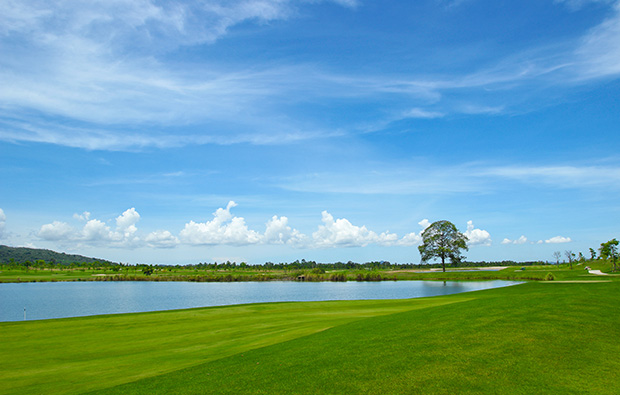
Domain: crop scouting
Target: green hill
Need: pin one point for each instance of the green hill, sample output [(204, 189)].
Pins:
[(23, 254)]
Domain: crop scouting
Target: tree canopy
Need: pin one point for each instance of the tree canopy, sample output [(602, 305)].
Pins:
[(444, 241), (609, 250)]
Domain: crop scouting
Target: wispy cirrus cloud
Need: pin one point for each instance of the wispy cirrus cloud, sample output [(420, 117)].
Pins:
[(425, 178), (102, 68), (599, 50), (578, 4), (560, 176)]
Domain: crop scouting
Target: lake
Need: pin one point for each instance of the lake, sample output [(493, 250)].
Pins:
[(73, 299)]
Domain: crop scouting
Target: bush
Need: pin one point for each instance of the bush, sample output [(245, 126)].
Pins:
[(338, 277), (549, 277)]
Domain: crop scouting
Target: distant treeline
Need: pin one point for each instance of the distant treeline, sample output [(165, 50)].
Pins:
[(39, 258), (307, 265)]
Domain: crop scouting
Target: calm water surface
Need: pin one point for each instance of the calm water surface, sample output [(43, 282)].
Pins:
[(73, 299)]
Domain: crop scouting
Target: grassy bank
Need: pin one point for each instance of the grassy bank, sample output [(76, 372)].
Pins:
[(533, 273), (546, 337)]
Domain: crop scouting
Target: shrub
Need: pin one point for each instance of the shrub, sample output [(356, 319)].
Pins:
[(549, 277), (338, 277)]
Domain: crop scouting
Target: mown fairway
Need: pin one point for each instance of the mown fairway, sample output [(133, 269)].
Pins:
[(533, 338)]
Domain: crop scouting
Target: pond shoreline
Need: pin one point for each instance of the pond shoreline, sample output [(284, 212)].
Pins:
[(72, 299), (422, 276)]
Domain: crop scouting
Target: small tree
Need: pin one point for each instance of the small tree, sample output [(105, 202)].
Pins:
[(592, 254), (570, 256), (147, 270), (557, 255), (442, 240), (609, 251)]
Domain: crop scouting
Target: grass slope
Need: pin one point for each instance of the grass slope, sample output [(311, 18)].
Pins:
[(533, 338), (75, 355)]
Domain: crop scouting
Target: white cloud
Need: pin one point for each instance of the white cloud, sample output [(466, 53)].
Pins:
[(126, 223), (2, 222), (161, 239), (95, 231), (100, 61), (277, 231), (85, 216), (559, 176), (423, 114), (477, 236), (223, 229), (558, 240), (425, 223), (575, 5), (410, 239), (520, 240), (228, 229), (599, 51), (56, 231), (150, 24), (342, 233)]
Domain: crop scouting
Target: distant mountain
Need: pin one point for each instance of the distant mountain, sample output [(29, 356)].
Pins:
[(22, 254)]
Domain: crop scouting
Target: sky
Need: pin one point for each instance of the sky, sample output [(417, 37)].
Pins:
[(176, 132)]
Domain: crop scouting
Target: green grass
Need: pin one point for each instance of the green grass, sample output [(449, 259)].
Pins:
[(535, 273), (547, 337), (534, 338), (79, 354)]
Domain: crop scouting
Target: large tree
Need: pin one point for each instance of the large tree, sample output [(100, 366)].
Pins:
[(444, 241)]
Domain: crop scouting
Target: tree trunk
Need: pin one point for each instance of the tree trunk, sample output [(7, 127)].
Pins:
[(443, 264)]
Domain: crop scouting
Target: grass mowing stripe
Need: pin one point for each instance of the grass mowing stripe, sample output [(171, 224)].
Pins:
[(532, 338), (75, 355)]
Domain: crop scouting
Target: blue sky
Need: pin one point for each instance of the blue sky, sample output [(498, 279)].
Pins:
[(274, 130)]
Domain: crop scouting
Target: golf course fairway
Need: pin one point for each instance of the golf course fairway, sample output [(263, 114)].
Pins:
[(549, 337)]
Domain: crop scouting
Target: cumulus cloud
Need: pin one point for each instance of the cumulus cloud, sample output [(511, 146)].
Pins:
[(223, 229), (410, 239), (95, 231), (558, 240), (227, 229), (2, 222), (56, 231), (277, 231), (126, 223), (342, 233), (161, 239), (520, 240), (477, 236), (425, 223)]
